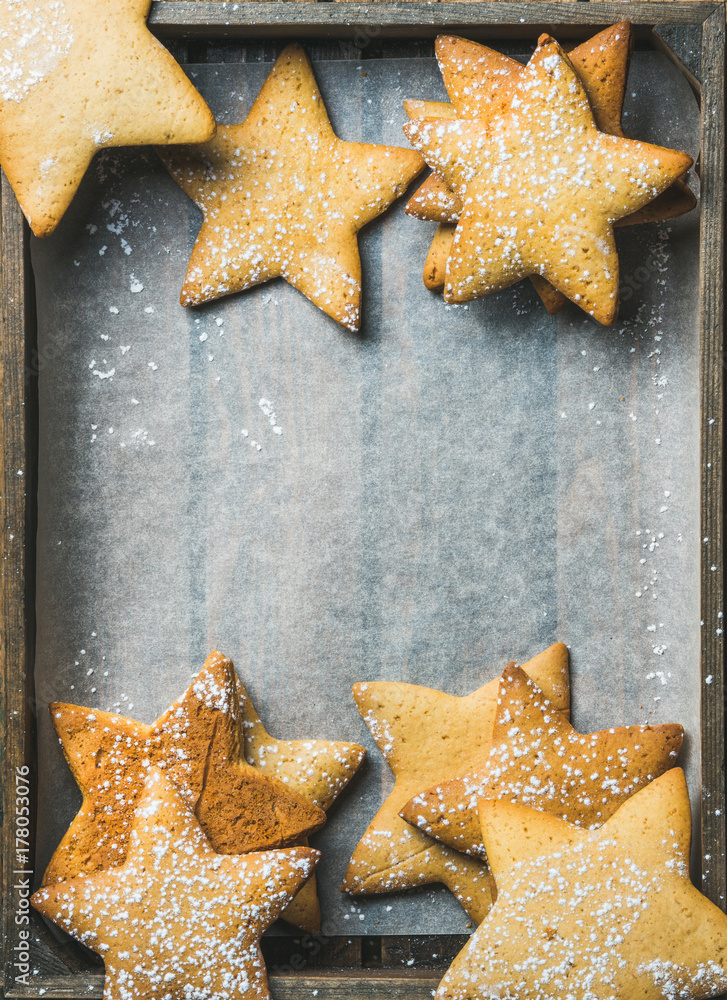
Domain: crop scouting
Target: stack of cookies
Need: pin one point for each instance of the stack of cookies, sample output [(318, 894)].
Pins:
[(570, 850), (183, 821), (531, 171)]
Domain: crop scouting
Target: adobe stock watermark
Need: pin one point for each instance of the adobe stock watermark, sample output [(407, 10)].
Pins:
[(22, 875), (310, 946), (365, 35), (44, 356), (655, 263)]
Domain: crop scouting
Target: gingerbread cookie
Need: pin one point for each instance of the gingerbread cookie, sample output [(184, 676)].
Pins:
[(78, 77), (593, 915), (239, 808), (476, 77), (536, 204), (283, 196), (318, 770), (539, 760), (110, 757), (176, 919), (426, 734)]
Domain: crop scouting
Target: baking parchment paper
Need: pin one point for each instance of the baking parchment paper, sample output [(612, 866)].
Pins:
[(451, 489)]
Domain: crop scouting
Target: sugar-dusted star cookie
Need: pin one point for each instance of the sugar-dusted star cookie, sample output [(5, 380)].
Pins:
[(541, 188), (594, 915), (539, 760), (479, 82), (319, 770), (77, 76), (197, 742), (426, 737), (283, 196), (177, 920), (477, 79)]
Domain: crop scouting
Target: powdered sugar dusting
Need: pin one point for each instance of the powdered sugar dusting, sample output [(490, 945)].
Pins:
[(283, 196), (177, 917), (600, 916), (112, 756), (34, 38), (540, 189), (317, 769)]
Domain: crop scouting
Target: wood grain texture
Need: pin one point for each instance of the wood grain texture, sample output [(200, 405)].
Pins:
[(207, 18), (363, 985), (14, 596), (712, 361)]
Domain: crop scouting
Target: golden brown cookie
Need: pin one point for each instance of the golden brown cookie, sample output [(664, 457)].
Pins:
[(283, 196), (318, 770), (196, 741), (239, 808), (539, 760), (594, 915), (435, 268), (76, 77), (177, 920), (477, 79), (537, 203), (427, 736)]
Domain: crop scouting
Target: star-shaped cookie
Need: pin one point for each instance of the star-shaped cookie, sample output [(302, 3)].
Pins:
[(177, 920), (427, 736), (478, 80), (319, 770), (539, 760), (283, 196), (77, 76), (541, 188), (197, 742), (594, 915)]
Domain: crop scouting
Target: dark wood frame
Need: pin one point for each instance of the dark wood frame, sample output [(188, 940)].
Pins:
[(64, 973)]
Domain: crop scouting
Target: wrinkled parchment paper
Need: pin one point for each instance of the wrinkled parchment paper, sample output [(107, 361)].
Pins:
[(454, 488)]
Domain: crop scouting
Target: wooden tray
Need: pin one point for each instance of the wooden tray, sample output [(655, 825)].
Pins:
[(368, 966)]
